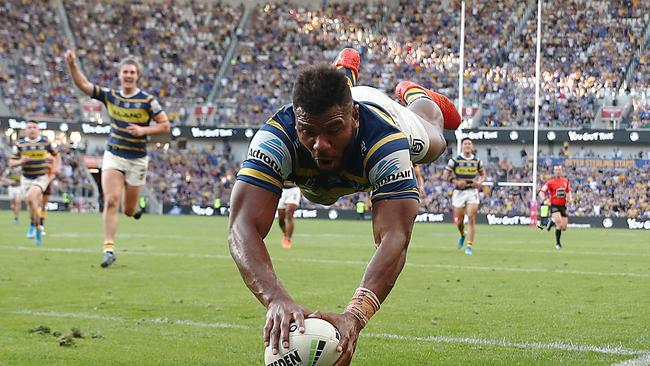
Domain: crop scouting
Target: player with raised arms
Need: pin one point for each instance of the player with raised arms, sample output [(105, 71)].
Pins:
[(124, 166), (336, 139)]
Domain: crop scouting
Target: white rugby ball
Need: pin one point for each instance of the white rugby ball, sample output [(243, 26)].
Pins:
[(315, 347)]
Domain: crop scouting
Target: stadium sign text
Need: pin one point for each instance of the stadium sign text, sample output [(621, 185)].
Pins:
[(507, 220), (216, 132), (591, 136), (21, 125), (430, 217), (479, 135), (95, 129), (634, 224)]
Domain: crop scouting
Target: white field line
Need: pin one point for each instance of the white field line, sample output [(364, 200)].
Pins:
[(54, 314), (343, 262), (642, 360), (559, 346)]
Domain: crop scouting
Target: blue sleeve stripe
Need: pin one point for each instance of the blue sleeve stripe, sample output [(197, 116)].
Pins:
[(277, 129)]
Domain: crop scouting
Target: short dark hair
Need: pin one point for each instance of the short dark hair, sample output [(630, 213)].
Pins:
[(320, 87), (465, 138), (31, 121)]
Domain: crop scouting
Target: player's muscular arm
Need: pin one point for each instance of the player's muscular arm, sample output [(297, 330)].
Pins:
[(252, 211), (162, 126), (392, 223), (77, 76)]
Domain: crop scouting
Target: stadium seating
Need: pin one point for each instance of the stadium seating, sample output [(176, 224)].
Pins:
[(183, 45)]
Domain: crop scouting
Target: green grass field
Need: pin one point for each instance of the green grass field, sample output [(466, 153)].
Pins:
[(175, 297)]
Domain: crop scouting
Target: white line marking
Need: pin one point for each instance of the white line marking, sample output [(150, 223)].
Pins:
[(560, 346), (345, 262), (642, 360), (53, 314)]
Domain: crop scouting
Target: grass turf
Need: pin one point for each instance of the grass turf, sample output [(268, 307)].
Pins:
[(175, 297)]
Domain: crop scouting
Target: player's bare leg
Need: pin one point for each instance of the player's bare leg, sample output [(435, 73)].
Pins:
[(16, 203), (459, 214), (471, 209), (288, 225), (112, 187), (34, 197), (436, 111), (282, 214), (131, 198), (558, 220)]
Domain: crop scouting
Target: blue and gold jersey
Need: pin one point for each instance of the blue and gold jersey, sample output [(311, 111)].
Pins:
[(138, 109), (36, 150), (465, 168), (378, 160)]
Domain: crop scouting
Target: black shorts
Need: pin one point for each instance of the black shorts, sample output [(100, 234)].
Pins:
[(560, 209)]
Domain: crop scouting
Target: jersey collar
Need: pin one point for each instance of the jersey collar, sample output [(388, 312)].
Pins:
[(137, 90)]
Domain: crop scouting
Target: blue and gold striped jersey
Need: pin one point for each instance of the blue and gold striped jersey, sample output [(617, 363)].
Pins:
[(378, 160), (465, 168), (36, 150), (138, 109)]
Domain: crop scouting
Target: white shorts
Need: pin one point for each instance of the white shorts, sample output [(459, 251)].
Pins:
[(461, 198), (290, 196), (407, 121), (15, 191), (135, 170), (41, 182)]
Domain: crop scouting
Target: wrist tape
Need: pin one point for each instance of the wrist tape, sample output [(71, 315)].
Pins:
[(364, 305)]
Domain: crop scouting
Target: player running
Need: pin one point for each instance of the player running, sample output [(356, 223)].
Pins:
[(124, 166), (465, 168), (288, 204), (336, 139), (31, 152), (11, 177), (558, 190)]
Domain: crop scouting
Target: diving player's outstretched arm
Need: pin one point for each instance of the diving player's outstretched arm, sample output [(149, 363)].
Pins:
[(392, 221), (252, 210)]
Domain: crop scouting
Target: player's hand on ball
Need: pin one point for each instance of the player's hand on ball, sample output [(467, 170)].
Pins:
[(135, 130), (279, 316), (349, 327)]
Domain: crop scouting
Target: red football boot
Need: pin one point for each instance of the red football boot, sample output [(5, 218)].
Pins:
[(449, 112), (350, 59)]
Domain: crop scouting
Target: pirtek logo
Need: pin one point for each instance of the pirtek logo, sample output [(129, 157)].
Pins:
[(406, 174), (260, 155), (290, 359)]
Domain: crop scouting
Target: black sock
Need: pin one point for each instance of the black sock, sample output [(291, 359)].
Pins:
[(558, 233)]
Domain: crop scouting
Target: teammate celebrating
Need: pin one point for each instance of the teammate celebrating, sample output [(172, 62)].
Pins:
[(332, 141), (124, 166), (289, 202), (558, 189), (11, 177), (465, 168), (30, 152)]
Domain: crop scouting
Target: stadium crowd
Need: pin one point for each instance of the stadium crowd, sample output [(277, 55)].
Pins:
[(181, 45), (198, 177), (587, 47)]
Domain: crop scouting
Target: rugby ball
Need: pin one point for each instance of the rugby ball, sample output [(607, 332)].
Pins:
[(315, 347)]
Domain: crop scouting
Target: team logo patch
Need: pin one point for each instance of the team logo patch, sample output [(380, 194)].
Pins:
[(417, 146)]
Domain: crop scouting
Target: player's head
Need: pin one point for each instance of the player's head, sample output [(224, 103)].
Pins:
[(326, 117), (32, 129), (557, 171), (467, 145), (129, 73)]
